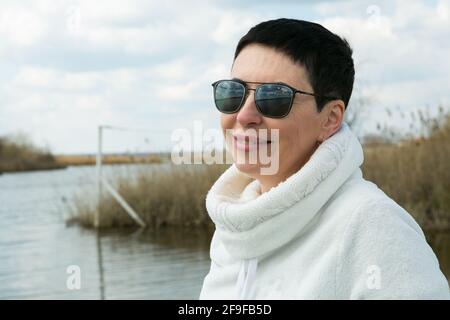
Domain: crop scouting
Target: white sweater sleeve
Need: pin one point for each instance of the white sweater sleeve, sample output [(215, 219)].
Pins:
[(383, 254)]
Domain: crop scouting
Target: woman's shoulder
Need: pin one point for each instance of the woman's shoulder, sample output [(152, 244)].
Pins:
[(372, 207), (378, 234), (362, 202)]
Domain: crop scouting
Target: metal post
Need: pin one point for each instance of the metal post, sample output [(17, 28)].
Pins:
[(123, 203), (103, 183), (99, 177)]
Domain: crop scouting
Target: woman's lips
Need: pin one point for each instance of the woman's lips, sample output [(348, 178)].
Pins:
[(247, 143)]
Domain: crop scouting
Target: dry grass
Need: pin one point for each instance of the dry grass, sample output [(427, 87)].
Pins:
[(171, 195), (416, 174), (81, 160), (18, 153)]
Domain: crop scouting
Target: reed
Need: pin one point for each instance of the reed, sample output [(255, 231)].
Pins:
[(86, 160), (18, 153), (415, 173), (170, 195)]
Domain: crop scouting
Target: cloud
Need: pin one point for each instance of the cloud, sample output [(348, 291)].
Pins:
[(401, 54), (68, 66), (20, 27)]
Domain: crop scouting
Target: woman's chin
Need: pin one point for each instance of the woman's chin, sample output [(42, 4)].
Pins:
[(252, 170)]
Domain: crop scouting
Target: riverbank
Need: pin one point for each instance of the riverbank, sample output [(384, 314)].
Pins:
[(170, 195), (415, 174), (159, 263), (83, 160), (18, 153), (38, 249)]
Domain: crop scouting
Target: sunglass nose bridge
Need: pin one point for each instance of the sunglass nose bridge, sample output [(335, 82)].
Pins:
[(247, 93)]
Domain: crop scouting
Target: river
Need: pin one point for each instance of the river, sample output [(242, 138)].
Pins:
[(38, 249)]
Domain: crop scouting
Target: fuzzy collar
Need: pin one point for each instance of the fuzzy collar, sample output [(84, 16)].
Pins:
[(250, 224)]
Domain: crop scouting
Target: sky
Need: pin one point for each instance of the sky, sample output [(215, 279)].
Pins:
[(67, 67)]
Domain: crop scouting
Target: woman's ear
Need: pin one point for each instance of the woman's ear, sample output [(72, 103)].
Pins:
[(332, 116)]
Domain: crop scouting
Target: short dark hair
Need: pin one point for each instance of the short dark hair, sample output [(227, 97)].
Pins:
[(326, 57)]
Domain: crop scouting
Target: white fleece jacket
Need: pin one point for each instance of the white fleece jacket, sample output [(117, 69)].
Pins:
[(323, 233)]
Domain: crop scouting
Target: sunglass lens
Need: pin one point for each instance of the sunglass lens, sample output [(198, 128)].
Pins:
[(274, 100), (228, 95)]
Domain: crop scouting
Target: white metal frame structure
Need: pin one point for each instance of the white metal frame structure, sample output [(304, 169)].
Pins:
[(101, 181)]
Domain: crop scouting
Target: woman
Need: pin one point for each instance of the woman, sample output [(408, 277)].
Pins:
[(313, 228)]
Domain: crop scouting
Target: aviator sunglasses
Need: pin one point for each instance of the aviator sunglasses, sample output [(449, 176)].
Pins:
[(273, 100)]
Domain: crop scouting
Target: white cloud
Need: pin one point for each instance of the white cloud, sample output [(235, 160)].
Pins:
[(71, 65), (401, 56), (20, 27)]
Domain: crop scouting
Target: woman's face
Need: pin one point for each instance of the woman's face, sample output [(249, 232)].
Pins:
[(299, 131)]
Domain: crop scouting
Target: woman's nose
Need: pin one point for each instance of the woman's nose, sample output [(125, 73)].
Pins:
[(248, 115)]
